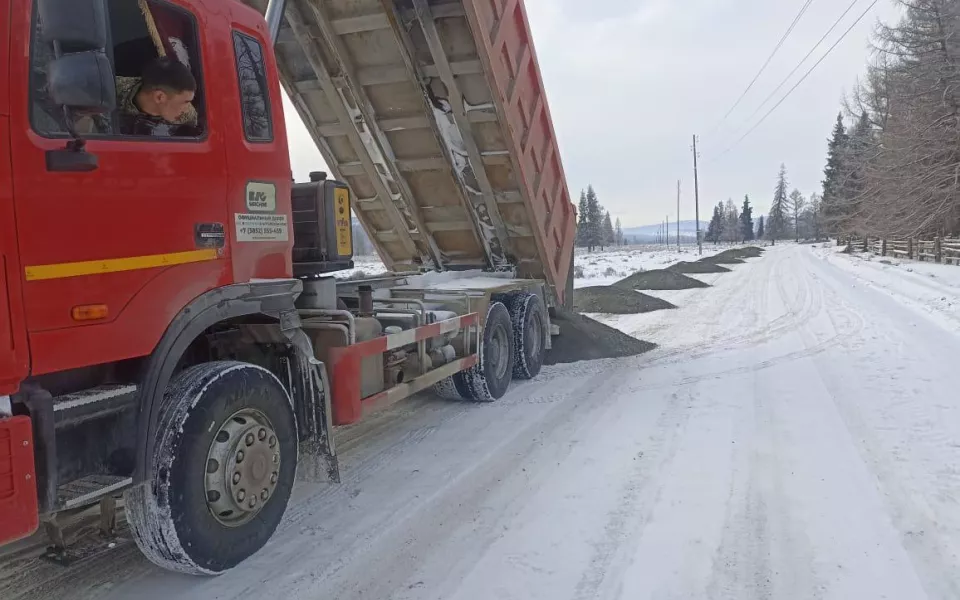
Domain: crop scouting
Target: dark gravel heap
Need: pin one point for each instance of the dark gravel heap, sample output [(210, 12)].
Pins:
[(697, 267), (660, 280), (582, 338), (734, 255), (616, 301), (751, 252), (724, 258)]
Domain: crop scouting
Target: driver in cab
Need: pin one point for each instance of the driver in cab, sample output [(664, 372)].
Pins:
[(159, 102)]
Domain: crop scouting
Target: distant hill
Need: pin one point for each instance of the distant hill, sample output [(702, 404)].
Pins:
[(685, 227), (648, 233)]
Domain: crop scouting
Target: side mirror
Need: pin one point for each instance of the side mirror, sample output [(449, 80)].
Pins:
[(82, 82), (80, 78)]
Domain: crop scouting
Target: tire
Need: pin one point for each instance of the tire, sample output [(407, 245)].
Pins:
[(447, 389), (529, 334), (488, 381), (211, 411)]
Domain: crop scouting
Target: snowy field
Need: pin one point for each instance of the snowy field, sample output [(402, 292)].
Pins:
[(796, 436), (613, 264)]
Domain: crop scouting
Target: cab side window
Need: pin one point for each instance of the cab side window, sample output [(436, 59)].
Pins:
[(254, 94), (145, 37)]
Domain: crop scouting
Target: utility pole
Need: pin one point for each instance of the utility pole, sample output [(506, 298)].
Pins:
[(678, 214), (696, 194), (668, 230)]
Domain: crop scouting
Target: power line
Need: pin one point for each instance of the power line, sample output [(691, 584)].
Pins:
[(802, 79), (803, 60), (776, 49)]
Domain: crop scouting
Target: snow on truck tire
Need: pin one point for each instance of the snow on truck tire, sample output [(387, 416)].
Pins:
[(490, 378), (225, 464), (529, 334)]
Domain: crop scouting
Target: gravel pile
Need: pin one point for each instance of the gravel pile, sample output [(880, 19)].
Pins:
[(747, 252), (734, 255), (616, 301), (582, 338), (724, 258), (697, 267), (660, 280)]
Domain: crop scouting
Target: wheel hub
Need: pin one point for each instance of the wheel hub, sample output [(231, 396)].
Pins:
[(535, 335), (243, 466), (499, 350)]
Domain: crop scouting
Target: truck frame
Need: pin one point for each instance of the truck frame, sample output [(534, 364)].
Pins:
[(170, 327)]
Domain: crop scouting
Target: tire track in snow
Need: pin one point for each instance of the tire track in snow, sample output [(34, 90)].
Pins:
[(933, 553), (638, 497), (419, 527)]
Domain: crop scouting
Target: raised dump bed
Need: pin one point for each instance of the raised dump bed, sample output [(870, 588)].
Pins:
[(433, 112)]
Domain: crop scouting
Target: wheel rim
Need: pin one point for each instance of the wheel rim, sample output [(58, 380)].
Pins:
[(243, 467), (534, 335), (499, 349)]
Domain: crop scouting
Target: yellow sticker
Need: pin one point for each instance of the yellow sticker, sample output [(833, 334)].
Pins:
[(341, 207)]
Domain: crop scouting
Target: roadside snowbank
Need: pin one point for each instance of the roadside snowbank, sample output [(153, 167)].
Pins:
[(929, 288)]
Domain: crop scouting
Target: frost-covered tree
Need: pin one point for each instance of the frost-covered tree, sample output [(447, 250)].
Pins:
[(894, 171), (731, 222), (797, 203), (777, 223)]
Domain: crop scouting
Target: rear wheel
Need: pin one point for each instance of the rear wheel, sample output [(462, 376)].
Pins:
[(224, 468), (529, 333), (489, 380)]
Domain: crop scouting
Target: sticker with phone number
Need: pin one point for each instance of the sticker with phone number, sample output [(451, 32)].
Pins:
[(262, 228)]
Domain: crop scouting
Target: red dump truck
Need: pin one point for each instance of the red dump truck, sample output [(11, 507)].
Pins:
[(170, 329)]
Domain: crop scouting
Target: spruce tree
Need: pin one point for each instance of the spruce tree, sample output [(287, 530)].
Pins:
[(855, 159), (582, 224), (833, 176), (760, 231), (608, 235), (715, 228), (746, 220), (618, 233), (594, 220), (777, 223)]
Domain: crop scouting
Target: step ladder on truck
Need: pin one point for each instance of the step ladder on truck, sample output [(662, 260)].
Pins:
[(170, 329)]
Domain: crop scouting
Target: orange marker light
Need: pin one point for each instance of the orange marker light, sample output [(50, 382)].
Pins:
[(89, 312)]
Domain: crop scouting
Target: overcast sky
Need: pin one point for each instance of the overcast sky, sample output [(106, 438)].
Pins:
[(629, 82)]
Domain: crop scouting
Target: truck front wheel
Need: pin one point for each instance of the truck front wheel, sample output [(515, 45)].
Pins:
[(225, 464)]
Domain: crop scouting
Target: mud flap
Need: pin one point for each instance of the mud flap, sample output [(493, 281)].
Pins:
[(311, 391)]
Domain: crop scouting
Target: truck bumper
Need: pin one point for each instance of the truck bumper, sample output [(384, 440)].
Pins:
[(18, 481)]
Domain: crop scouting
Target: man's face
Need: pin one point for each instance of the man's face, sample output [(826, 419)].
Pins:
[(171, 105)]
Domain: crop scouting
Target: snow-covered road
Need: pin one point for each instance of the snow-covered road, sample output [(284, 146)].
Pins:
[(797, 435)]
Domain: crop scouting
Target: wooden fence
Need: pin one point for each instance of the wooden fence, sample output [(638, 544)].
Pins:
[(941, 250)]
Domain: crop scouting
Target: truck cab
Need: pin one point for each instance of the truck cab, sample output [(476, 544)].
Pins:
[(111, 238), (104, 237)]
